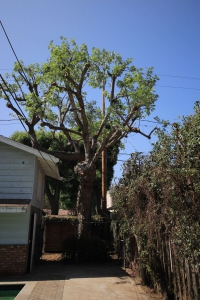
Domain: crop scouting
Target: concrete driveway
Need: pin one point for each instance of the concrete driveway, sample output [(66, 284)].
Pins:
[(85, 282)]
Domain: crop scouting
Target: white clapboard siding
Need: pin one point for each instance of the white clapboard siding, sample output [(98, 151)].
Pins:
[(4, 184), (17, 178), (14, 160), (14, 228), (15, 166), (15, 190), (16, 173)]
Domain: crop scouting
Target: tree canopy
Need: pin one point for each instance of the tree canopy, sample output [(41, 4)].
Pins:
[(56, 96)]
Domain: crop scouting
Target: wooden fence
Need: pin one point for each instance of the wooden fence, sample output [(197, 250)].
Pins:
[(177, 276)]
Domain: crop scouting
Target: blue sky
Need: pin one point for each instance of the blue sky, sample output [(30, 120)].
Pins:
[(164, 34)]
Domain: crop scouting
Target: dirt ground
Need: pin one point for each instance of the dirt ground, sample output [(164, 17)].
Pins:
[(51, 257)]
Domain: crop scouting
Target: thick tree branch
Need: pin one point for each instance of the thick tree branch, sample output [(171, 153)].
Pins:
[(35, 87), (101, 126), (20, 99), (102, 145), (76, 117), (64, 129), (30, 86), (9, 105), (118, 134), (83, 75), (69, 78), (19, 87), (64, 113), (112, 88), (117, 139), (62, 155), (35, 120), (71, 141)]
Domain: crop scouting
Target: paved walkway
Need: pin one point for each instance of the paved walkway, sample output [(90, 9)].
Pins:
[(73, 282)]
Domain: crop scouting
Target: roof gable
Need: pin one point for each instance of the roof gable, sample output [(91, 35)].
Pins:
[(47, 162)]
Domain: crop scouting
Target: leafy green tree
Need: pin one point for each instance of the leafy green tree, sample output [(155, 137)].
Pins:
[(56, 95)]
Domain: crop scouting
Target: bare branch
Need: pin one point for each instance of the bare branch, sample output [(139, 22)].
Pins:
[(137, 130)]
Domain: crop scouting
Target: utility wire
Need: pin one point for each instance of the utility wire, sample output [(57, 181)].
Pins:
[(183, 77), (13, 49), (177, 87), (22, 122), (177, 76), (167, 86), (9, 120), (164, 75), (9, 124), (11, 103)]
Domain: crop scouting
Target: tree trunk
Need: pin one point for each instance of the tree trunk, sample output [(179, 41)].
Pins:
[(53, 198), (84, 202), (97, 196)]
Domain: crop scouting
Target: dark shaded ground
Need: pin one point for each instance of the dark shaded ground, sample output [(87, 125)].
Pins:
[(52, 273)]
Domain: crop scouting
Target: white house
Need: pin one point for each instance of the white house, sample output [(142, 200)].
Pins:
[(22, 174)]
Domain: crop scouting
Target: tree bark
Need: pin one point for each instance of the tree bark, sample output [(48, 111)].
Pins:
[(84, 202)]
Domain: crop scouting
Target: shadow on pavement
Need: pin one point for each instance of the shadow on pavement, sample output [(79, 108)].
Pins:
[(57, 270)]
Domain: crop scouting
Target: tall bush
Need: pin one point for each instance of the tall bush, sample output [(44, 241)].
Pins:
[(157, 200)]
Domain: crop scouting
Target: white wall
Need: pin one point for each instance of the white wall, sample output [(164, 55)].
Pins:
[(109, 200), (16, 173), (38, 187), (14, 228)]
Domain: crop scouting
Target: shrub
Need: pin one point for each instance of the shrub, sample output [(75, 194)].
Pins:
[(85, 249)]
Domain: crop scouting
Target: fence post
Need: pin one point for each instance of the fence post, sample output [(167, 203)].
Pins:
[(189, 289), (195, 288)]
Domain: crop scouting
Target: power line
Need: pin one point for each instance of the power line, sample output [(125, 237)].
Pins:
[(15, 100), (20, 118), (25, 127), (26, 121), (164, 86), (13, 49), (9, 120), (9, 124), (177, 87), (164, 75), (177, 76)]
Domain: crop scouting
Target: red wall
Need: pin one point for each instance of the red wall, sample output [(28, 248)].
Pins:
[(56, 233), (13, 259)]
